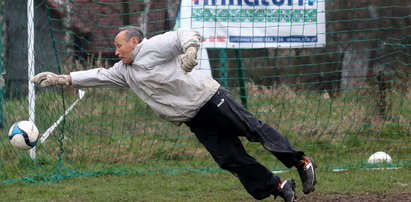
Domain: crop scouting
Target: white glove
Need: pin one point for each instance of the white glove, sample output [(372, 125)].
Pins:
[(188, 61), (49, 78)]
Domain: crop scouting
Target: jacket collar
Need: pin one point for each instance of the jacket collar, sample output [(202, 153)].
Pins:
[(137, 49)]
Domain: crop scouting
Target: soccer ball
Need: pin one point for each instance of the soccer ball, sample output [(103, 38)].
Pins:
[(23, 135), (379, 157)]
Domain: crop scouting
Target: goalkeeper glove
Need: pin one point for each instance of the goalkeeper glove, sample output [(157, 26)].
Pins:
[(188, 61), (49, 78)]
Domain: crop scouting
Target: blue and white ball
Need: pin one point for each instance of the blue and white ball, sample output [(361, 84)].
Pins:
[(23, 135)]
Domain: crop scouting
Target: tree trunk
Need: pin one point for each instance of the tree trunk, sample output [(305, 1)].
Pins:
[(3, 40), (172, 12), (68, 36), (144, 18), (126, 9)]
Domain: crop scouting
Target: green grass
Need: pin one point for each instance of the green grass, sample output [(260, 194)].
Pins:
[(113, 130), (219, 186)]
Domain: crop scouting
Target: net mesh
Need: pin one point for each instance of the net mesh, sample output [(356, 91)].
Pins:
[(339, 103)]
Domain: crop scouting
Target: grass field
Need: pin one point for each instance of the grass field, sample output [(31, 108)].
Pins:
[(213, 186), (119, 134)]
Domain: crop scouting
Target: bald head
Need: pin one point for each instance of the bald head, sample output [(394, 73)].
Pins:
[(125, 44)]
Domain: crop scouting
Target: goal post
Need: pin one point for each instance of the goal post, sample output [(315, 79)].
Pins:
[(31, 66)]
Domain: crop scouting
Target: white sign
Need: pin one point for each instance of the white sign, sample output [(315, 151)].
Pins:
[(256, 23)]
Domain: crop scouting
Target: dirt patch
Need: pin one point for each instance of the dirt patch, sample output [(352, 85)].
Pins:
[(355, 197)]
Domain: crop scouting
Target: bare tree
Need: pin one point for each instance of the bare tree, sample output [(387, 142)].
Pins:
[(172, 11), (144, 18), (126, 9), (3, 41), (67, 25)]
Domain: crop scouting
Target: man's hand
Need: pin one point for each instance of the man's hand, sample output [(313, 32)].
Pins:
[(49, 78), (188, 62)]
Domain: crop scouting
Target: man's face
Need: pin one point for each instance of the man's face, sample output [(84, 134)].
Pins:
[(124, 47)]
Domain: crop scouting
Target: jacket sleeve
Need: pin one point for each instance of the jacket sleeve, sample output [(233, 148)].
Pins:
[(188, 38), (99, 77), (165, 47), (177, 41)]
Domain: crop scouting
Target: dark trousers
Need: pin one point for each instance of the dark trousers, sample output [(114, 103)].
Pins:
[(218, 125)]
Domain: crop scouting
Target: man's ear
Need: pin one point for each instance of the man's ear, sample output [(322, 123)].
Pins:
[(135, 40)]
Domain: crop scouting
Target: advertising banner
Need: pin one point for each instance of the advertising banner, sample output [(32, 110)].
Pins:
[(256, 23)]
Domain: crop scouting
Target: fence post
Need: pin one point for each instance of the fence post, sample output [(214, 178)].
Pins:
[(240, 72), (223, 67)]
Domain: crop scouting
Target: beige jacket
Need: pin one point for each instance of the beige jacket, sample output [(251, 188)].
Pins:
[(156, 77)]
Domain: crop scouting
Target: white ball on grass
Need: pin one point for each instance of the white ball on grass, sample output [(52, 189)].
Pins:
[(379, 157)]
